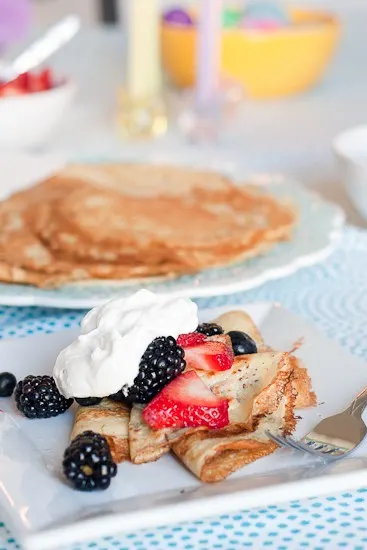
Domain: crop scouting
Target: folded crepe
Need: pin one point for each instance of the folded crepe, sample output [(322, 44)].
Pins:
[(263, 389), (110, 419), (302, 385), (146, 445), (214, 455), (254, 385)]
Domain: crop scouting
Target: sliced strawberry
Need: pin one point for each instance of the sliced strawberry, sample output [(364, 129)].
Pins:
[(13, 88), (186, 402), (39, 82), (203, 353), (190, 339)]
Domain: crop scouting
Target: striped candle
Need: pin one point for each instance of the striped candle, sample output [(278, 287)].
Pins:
[(208, 51)]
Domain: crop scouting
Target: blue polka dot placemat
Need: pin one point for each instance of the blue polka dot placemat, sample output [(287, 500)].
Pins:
[(333, 296)]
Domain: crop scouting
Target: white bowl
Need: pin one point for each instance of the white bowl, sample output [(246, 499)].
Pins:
[(350, 148), (26, 121)]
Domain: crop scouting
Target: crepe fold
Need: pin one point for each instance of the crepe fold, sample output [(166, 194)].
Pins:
[(214, 455), (302, 385), (254, 386), (110, 419)]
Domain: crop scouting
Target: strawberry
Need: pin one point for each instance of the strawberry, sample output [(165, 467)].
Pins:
[(190, 339), (14, 88), (186, 402), (205, 353), (39, 82)]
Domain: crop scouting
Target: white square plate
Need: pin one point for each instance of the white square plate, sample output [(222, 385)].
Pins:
[(46, 513)]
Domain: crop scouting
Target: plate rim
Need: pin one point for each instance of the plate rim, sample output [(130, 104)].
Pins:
[(230, 502)]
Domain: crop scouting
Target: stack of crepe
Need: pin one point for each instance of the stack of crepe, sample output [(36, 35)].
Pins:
[(263, 391), (122, 221)]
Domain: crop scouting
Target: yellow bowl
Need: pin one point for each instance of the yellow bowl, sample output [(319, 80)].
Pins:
[(273, 64)]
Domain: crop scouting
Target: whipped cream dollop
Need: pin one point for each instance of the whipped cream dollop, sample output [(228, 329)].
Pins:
[(105, 357)]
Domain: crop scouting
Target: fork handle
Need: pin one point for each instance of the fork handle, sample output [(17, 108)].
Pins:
[(357, 406)]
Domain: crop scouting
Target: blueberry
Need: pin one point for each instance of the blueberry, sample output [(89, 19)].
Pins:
[(88, 401), (242, 343), (7, 384)]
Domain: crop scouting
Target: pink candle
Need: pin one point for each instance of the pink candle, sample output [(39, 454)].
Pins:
[(208, 51)]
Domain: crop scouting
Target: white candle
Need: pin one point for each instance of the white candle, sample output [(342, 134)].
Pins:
[(208, 51), (143, 71)]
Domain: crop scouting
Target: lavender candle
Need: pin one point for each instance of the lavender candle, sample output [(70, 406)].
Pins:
[(208, 51)]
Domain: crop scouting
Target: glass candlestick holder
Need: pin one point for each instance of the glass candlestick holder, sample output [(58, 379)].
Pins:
[(205, 122), (141, 117)]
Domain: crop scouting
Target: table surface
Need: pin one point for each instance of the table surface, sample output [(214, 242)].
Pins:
[(291, 135)]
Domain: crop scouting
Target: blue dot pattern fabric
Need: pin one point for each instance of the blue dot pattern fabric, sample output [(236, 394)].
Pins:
[(333, 295)]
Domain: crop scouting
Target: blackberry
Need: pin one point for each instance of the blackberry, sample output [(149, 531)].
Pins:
[(7, 384), (38, 397), (88, 401), (88, 463), (162, 361), (242, 343), (209, 329), (119, 396)]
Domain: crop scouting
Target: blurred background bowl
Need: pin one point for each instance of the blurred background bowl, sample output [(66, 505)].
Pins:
[(272, 64), (350, 148), (26, 121)]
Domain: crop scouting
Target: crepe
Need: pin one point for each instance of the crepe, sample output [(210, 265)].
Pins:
[(110, 419), (263, 391), (302, 385), (214, 455), (254, 386), (131, 222), (146, 445)]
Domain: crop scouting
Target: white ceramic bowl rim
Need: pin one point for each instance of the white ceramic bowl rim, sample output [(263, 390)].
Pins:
[(64, 85), (352, 144)]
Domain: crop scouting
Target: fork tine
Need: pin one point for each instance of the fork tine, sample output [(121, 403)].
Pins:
[(317, 454), (282, 441), (296, 444), (291, 443)]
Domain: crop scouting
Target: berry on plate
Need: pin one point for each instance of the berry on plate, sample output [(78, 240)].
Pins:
[(210, 329), (206, 354), (242, 343), (88, 401), (162, 361), (186, 402), (88, 463), (7, 384), (38, 397)]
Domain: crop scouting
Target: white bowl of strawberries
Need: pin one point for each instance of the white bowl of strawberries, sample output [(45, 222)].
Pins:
[(31, 108)]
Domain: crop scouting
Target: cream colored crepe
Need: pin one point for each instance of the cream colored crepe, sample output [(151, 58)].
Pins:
[(110, 419), (239, 320), (146, 445), (214, 455), (253, 386)]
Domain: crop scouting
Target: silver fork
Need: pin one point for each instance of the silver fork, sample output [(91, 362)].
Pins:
[(334, 437)]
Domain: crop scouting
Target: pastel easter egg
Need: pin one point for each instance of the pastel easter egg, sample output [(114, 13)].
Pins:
[(231, 18), (178, 16), (261, 25), (266, 11)]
